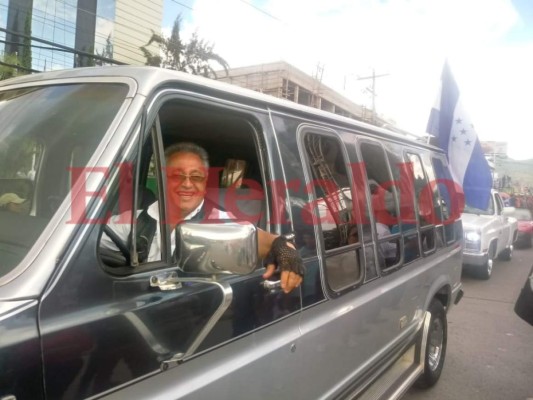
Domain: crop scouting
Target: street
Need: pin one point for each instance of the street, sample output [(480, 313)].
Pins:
[(490, 349)]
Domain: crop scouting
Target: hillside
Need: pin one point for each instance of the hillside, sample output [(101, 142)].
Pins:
[(520, 171)]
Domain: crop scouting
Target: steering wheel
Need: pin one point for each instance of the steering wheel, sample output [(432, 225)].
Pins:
[(119, 243)]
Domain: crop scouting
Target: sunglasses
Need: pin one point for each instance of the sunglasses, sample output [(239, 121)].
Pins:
[(180, 178)]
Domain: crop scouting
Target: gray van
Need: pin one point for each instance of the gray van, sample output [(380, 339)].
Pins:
[(373, 214)]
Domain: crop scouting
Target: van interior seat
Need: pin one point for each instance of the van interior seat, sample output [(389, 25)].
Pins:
[(244, 203)]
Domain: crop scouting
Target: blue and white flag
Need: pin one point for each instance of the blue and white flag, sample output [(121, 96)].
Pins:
[(455, 134)]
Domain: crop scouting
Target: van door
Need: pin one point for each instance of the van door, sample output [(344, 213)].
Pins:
[(105, 324)]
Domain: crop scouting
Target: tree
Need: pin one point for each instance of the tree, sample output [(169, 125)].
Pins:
[(195, 57), (8, 69), (25, 59), (107, 52)]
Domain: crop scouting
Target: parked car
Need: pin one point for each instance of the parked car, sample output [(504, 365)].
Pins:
[(488, 234), (525, 225)]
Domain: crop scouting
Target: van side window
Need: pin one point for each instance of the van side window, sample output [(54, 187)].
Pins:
[(406, 221), (334, 210), (423, 202), (383, 204), (137, 188), (432, 191), (444, 179)]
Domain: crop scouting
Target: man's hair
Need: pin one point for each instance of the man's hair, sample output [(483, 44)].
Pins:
[(188, 147)]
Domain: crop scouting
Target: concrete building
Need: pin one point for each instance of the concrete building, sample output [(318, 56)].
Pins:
[(280, 79), (52, 29)]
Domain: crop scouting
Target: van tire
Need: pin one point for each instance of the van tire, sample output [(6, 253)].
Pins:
[(435, 347), (506, 254), (485, 271)]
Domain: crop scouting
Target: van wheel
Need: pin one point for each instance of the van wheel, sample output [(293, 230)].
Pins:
[(435, 347), (506, 254), (485, 271)]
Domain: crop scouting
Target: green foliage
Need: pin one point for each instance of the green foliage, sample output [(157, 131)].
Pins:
[(521, 172), (107, 52), (16, 157), (6, 71), (25, 59), (195, 57)]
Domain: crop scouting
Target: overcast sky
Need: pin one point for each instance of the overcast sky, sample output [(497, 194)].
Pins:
[(488, 44)]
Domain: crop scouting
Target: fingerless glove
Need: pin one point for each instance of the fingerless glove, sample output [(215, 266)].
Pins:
[(284, 257)]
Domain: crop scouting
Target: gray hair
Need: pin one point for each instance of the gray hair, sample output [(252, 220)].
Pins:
[(188, 147)]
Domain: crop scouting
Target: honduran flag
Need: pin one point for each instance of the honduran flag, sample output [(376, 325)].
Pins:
[(453, 131)]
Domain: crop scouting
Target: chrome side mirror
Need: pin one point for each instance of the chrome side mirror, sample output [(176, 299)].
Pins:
[(216, 247)]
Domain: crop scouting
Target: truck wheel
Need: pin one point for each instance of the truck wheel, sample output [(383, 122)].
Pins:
[(506, 254), (485, 271), (435, 346)]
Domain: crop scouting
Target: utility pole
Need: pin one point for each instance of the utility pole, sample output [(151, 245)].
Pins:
[(318, 81), (372, 90)]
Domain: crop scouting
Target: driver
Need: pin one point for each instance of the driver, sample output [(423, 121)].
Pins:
[(186, 172)]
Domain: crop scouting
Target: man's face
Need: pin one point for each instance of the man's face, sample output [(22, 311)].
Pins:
[(186, 182)]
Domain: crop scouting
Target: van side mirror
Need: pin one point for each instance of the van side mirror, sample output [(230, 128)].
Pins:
[(216, 247)]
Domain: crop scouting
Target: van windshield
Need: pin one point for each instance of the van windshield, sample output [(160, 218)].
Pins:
[(45, 132), (487, 211)]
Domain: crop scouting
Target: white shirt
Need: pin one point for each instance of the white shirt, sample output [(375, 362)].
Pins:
[(123, 229), (388, 248)]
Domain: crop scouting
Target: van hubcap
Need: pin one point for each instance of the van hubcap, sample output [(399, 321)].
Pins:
[(436, 338), (489, 267)]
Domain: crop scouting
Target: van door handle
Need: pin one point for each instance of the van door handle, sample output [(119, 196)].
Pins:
[(165, 281), (271, 286)]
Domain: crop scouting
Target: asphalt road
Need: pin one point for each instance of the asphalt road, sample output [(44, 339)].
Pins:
[(490, 349)]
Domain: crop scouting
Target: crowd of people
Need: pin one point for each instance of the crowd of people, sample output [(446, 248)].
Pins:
[(520, 201)]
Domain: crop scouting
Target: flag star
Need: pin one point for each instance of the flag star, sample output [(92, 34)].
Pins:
[(454, 138), (467, 142), (458, 120), (463, 131)]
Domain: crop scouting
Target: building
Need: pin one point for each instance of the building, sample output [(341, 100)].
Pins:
[(283, 80), (57, 34)]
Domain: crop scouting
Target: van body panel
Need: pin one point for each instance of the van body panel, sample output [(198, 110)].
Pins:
[(20, 351), (247, 368)]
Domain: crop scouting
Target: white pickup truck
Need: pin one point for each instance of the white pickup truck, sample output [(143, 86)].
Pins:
[(488, 234)]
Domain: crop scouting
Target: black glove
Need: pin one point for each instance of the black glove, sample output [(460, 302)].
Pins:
[(284, 257)]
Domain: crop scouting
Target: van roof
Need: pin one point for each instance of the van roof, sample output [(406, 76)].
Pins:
[(147, 78)]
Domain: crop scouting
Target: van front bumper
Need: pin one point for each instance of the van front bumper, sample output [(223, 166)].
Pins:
[(475, 259)]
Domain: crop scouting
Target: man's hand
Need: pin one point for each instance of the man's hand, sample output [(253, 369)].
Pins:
[(283, 254)]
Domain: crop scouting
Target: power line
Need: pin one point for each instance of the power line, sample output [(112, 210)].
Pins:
[(18, 67), (183, 5), (260, 10)]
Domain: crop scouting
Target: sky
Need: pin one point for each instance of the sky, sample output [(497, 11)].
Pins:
[(487, 43)]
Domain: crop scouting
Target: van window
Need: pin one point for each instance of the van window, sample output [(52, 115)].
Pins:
[(334, 209), (444, 179), (432, 190), (423, 201), (383, 203), (407, 223), (137, 188)]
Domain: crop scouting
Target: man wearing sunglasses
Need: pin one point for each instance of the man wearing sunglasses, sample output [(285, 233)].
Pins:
[(187, 166)]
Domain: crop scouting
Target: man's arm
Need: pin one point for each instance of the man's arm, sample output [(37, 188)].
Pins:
[(291, 264)]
